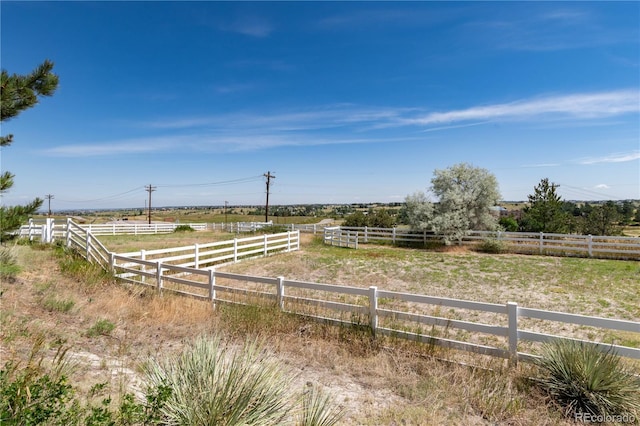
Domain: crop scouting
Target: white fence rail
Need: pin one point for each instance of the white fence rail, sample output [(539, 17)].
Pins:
[(499, 330), (394, 314), (522, 242), (202, 256), (48, 230)]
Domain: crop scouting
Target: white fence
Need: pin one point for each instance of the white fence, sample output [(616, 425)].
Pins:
[(500, 330), (48, 230), (522, 242)]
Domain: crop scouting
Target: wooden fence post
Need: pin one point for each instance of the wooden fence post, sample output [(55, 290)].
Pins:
[(373, 308), (280, 293), (512, 316)]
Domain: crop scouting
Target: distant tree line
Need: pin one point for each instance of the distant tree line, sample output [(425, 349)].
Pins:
[(466, 200), (547, 212)]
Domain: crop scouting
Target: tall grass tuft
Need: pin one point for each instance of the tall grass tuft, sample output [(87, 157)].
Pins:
[(214, 383), (9, 267), (585, 380), (318, 409)]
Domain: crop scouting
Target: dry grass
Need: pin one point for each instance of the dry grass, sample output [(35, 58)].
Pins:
[(377, 381)]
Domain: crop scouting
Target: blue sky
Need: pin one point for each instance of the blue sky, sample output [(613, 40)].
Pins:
[(343, 102)]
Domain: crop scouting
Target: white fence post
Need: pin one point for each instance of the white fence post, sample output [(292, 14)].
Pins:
[(373, 308), (112, 262), (196, 256), (235, 250), (266, 246), (541, 242), (87, 246), (280, 293), (590, 243), (288, 241), (159, 277), (366, 234), (512, 316), (212, 285), (143, 268), (68, 236), (393, 238)]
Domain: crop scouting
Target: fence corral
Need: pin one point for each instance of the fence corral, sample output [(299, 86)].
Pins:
[(499, 330), (519, 242)]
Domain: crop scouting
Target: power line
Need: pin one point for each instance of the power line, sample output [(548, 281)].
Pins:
[(108, 197), (220, 183)]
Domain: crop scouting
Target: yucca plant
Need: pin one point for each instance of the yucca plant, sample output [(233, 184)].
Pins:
[(214, 383), (586, 380), (318, 409)]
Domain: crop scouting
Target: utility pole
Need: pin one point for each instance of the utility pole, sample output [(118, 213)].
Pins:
[(226, 204), (49, 197), (268, 175), (150, 189)]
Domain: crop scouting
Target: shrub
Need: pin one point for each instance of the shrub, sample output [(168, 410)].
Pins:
[(273, 229), (492, 246), (39, 393), (214, 383), (183, 228), (9, 268), (585, 380), (102, 327), (508, 223), (33, 394)]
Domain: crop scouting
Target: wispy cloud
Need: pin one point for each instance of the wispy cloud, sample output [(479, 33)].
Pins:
[(120, 147), (254, 26), (532, 29), (350, 124), (620, 157), (579, 106), (203, 142), (541, 165)]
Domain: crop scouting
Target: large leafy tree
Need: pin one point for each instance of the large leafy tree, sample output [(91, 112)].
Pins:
[(18, 93), (545, 212), (466, 195)]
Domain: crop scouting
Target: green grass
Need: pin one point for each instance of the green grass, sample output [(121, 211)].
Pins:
[(101, 327), (58, 305)]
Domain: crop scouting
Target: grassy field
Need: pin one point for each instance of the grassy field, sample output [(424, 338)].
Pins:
[(72, 304)]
